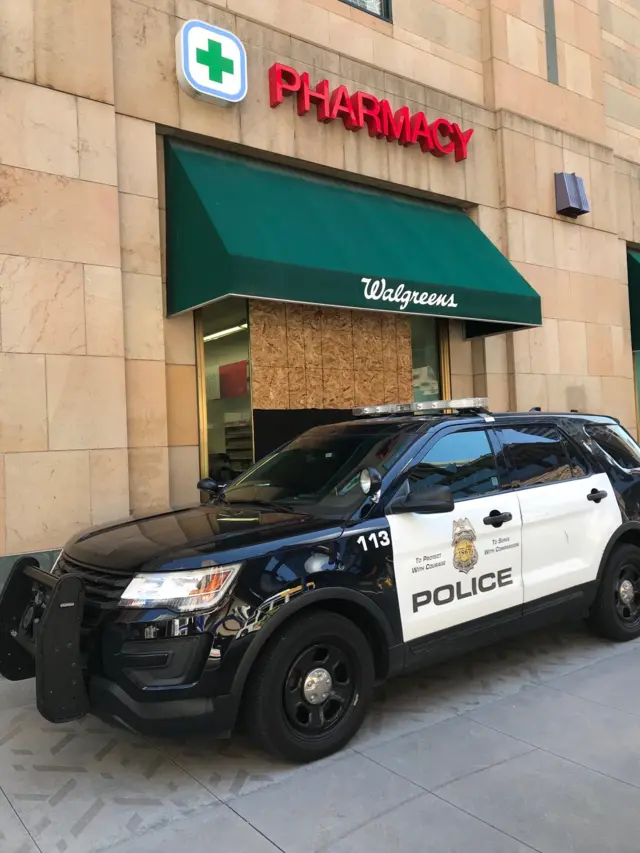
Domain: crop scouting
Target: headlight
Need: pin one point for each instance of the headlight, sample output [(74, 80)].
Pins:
[(183, 591)]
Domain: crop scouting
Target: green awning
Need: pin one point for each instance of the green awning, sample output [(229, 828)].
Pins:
[(247, 228), (633, 267)]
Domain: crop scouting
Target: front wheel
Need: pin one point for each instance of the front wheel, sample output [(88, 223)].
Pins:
[(311, 687), (615, 613)]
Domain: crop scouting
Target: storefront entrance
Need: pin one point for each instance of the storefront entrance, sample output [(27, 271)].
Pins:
[(313, 296), (397, 358)]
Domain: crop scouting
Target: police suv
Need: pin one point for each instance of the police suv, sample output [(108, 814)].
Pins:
[(356, 552)]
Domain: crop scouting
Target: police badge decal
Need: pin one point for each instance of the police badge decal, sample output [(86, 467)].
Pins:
[(465, 555)]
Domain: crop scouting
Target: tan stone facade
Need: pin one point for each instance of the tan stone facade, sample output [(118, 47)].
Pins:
[(98, 390)]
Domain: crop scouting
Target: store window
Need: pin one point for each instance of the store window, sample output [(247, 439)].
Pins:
[(425, 353), (225, 352), (380, 8)]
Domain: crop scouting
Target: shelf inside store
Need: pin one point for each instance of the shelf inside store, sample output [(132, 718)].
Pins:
[(239, 443)]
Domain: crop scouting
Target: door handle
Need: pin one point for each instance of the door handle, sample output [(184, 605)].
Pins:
[(497, 519), (596, 495)]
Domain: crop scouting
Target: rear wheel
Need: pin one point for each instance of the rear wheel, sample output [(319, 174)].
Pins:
[(311, 687), (615, 613)]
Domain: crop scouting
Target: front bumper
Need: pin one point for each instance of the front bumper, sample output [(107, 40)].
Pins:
[(161, 687), (215, 715), (40, 622)]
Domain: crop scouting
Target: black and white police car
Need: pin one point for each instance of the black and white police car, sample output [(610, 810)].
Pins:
[(356, 552)]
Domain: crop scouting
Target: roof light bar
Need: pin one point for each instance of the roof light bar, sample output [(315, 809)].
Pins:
[(466, 404)]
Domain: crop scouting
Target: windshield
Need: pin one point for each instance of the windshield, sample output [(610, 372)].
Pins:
[(322, 467)]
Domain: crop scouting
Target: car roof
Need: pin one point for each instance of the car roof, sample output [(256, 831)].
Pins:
[(384, 423), (423, 422), (534, 415)]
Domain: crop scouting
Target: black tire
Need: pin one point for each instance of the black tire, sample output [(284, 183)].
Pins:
[(615, 613), (277, 715)]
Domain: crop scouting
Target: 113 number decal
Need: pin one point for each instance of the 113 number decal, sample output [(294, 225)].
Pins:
[(376, 539)]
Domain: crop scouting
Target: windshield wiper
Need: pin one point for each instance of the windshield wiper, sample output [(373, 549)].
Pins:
[(268, 504)]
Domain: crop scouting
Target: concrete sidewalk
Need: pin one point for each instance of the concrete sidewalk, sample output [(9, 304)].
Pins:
[(533, 744)]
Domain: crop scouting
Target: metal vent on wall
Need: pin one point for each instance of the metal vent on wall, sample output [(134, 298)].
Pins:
[(571, 195)]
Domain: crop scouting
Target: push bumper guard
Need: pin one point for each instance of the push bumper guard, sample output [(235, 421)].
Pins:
[(40, 620)]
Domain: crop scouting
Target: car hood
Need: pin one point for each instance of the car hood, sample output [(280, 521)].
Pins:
[(183, 538)]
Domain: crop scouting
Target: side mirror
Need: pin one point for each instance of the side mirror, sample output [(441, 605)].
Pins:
[(370, 482), (209, 485), (425, 499)]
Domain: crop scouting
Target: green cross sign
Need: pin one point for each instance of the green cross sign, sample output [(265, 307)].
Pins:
[(215, 61), (211, 63)]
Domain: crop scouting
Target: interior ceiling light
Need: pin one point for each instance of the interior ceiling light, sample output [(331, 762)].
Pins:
[(223, 334)]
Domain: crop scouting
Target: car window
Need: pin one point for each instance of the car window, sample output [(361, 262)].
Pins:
[(321, 468), (464, 461), (616, 443), (536, 454), (579, 467)]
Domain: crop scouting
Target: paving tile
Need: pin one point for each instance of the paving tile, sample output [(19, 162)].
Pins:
[(552, 805), (81, 786), (427, 825), (461, 684), (611, 682), (533, 658), (315, 808), (216, 827), (595, 736), (401, 706), (16, 694), (14, 838), (231, 768), (446, 751)]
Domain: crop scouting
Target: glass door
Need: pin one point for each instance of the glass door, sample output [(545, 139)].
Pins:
[(226, 428)]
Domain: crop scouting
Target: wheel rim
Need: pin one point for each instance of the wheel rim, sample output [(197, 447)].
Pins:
[(627, 595), (318, 689)]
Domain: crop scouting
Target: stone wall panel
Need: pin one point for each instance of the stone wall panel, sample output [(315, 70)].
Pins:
[(87, 90)]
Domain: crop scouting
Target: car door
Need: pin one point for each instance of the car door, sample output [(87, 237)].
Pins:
[(459, 566), (569, 511)]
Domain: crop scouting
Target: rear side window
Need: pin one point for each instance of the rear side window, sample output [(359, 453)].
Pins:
[(616, 443), (536, 454), (464, 461), (579, 467)]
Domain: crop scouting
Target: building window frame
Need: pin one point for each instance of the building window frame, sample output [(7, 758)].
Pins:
[(551, 41), (444, 347), (202, 395), (386, 15)]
